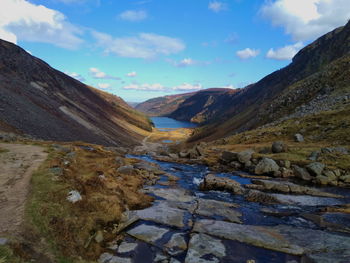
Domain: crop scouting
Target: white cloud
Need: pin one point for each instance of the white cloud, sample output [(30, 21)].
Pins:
[(217, 6), (144, 45), (103, 85), (133, 15), (98, 74), (160, 87), (307, 19), (24, 21), (247, 53), (284, 53), (131, 74), (186, 62), (76, 76)]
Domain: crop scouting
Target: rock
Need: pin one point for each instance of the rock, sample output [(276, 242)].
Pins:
[(279, 147), (74, 196), (305, 200), (173, 155), (99, 236), (199, 150), (184, 154), (235, 165), (245, 156), (345, 178), (164, 214), (3, 241), (315, 168), (148, 233), (213, 208), (266, 165), (314, 156), (330, 174), (172, 194), (260, 197), (177, 244), (127, 169), (273, 186), (126, 247), (323, 180), (148, 167), (337, 150), (301, 173), (205, 249), (285, 173), (298, 137), (212, 182), (229, 156), (105, 258), (286, 239)]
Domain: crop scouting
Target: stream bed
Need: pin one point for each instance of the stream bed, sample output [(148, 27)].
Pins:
[(185, 224)]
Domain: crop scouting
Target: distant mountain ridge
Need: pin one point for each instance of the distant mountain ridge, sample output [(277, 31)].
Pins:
[(168, 105), (40, 101)]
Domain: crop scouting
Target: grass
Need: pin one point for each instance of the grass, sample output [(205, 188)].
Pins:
[(7, 255), (67, 227)]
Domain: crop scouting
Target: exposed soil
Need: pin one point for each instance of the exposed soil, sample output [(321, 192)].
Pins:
[(17, 163)]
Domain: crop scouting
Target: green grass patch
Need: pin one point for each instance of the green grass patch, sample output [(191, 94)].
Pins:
[(7, 255)]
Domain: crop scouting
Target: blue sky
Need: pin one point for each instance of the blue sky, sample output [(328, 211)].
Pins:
[(139, 49)]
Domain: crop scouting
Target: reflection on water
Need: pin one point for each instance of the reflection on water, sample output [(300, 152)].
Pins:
[(165, 123)]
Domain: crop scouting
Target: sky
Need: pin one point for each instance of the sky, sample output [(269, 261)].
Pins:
[(140, 49)]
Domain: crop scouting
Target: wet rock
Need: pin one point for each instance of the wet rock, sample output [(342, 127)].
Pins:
[(126, 247), (301, 173), (148, 233), (266, 165), (279, 147), (212, 208), (201, 246), (245, 156), (212, 182), (164, 214), (305, 200), (127, 169), (315, 168), (260, 197), (287, 239), (298, 137), (180, 195), (177, 244)]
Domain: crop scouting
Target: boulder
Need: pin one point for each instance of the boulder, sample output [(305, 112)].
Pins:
[(323, 180), (298, 137), (279, 147), (260, 197), (314, 156), (345, 178), (266, 165), (315, 168), (228, 157), (212, 182), (301, 173), (245, 156)]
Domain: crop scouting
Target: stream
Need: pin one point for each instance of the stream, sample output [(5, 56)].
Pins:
[(185, 224)]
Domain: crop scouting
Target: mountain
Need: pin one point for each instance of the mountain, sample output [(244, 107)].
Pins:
[(177, 106), (37, 100), (197, 108), (317, 79), (162, 106)]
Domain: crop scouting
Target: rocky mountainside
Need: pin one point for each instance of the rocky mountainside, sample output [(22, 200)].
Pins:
[(317, 79), (40, 101), (162, 106)]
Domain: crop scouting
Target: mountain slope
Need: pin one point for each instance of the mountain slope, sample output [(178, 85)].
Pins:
[(162, 106), (40, 101), (320, 68)]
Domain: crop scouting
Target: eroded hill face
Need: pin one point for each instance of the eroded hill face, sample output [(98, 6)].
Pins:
[(317, 80), (40, 101)]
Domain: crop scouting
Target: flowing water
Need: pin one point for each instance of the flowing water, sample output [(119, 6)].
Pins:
[(168, 230)]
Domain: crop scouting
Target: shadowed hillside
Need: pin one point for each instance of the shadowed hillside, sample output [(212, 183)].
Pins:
[(40, 101)]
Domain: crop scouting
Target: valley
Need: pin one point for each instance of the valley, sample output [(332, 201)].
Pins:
[(259, 174)]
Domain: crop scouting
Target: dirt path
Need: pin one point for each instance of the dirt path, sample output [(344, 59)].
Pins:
[(17, 165)]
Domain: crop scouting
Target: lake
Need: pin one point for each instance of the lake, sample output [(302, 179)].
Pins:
[(169, 123)]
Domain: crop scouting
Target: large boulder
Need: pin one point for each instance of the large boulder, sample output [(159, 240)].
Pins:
[(245, 156), (126, 169), (212, 182), (266, 165), (279, 147), (301, 173), (315, 168), (228, 157)]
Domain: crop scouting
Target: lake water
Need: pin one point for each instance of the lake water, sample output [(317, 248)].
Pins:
[(169, 123)]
